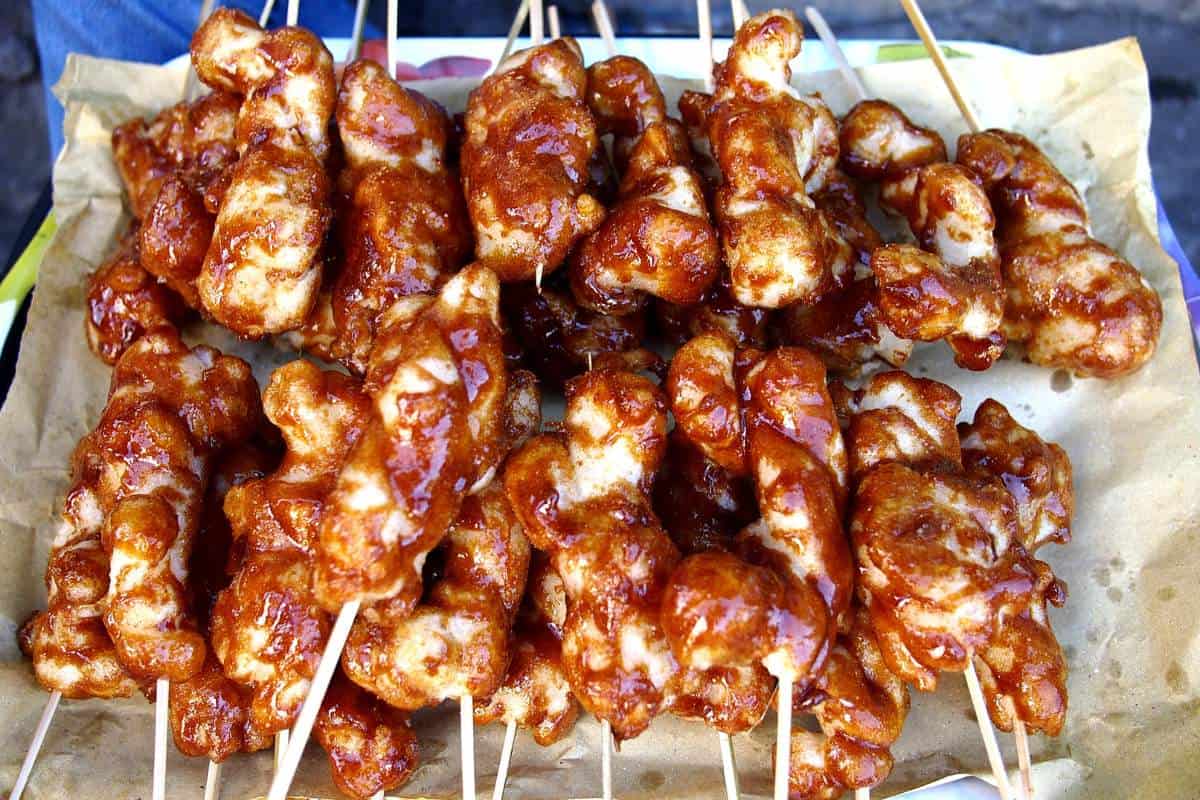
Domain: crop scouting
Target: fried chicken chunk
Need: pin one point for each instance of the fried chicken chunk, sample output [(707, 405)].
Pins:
[(267, 629), (261, 274), (536, 694), (774, 148), (455, 643), (938, 549), (124, 301), (371, 746), (1072, 301), (194, 140), (438, 383), (860, 705), (525, 161), (1022, 670), (118, 608), (406, 229), (657, 241)]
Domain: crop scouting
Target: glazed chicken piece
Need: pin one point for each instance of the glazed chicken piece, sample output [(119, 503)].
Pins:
[(171, 412), (262, 273), (371, 746), (406, 227), (557, 339), (657, 240), (455, 643), (1022, 670), (777, 601), (860, 706), (774, 148), (536, 694), (118, 610), (525, 161), (209, 714), (175, 237), (938, 549), (846, 328), (1073, 302), (194, 140), (950, 287), (124, 301), (582, 497), (438, 385), (267, 629)]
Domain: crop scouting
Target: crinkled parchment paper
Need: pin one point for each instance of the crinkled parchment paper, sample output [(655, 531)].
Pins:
[(1129, 628)]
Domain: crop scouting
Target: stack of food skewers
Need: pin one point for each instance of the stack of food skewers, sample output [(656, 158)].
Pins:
[(356, 543)]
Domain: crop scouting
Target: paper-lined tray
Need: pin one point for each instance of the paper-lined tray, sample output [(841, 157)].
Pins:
[(1129, 628)]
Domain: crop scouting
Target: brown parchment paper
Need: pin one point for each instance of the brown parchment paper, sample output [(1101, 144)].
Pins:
[(1129, 628)]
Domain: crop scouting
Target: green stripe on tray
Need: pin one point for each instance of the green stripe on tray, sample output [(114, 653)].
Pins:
[(912, 51), (20, 279)]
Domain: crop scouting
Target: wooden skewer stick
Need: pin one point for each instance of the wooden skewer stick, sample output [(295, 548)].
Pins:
[(536, 20), (862, 794), (35, 746), (987, 731), (514, 29), (466, 726), (739, 12), (312, 703), (704, 19), (393, 44), (604, 26), (212, 781), (281, 744), (1025, 787), (293, 15), (552, 20), (265, 16), (825, 33), (162, 688), (356, 33), (913, 9), (783, 739), (728, 766), (606, 760), (510, 737)]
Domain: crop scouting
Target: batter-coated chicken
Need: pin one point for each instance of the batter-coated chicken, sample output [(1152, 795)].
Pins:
[(657, 240), (262, 273), (438, 383), (194, 140), (938, 549), (455, 644), (405, 229), (951, 287), (209, 714), (774, 148), (118, 608), (1072, 301), (1023, 664), (371, 746), (525, 161), (124, 301), (536, 694), (267, 628)]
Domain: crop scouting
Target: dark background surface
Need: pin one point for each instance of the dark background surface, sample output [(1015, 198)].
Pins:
[(1169, 32)]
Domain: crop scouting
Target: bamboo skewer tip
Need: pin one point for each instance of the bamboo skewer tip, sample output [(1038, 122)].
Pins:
[(917, 17), (783, 738)]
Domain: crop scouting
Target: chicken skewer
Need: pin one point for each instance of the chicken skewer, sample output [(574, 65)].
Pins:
[(1071, 300), (446, 419), (116, 566)]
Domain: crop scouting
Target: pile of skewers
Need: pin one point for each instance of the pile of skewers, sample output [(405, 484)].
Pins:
[(815, 533)]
